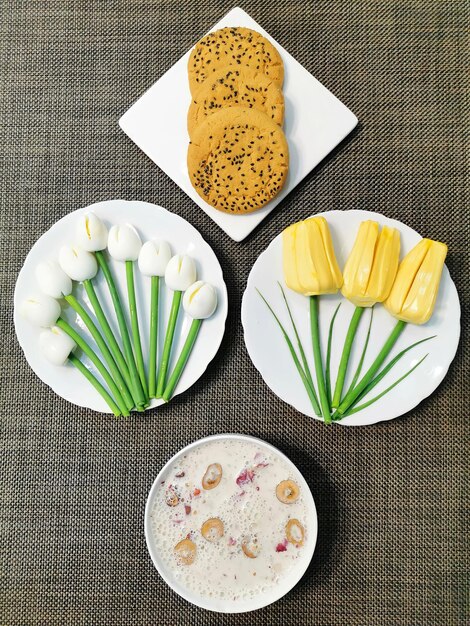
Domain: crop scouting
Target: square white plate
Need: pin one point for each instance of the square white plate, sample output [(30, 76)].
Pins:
[(315, 123)]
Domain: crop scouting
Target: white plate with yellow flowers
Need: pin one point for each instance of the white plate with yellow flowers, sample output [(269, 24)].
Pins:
[(351, 317), (120, 306)]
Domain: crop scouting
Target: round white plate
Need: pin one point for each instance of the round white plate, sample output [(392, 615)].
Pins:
[(270, 355), (228, 605), (151, 222)]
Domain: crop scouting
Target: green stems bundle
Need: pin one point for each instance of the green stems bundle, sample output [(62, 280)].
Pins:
[(356, 318), (376, 380), (136, 386), (180, 275), (86, 349), (108, 333), (353, 394), (102, 345), (96, 384)]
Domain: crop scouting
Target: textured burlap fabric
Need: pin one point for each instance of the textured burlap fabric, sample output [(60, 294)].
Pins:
[(393, 498)]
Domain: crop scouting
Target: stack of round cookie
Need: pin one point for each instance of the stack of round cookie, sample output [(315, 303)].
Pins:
[(238, 155)]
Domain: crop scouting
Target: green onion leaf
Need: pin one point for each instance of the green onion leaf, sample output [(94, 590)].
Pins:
[(356, 409), (302, 353), (295, 358), (328, 355), (364, 350), (375, 381), (343, 365), (315, 331)]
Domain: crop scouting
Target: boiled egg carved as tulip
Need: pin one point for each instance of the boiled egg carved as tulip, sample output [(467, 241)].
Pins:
[(199, 303), (44, 311), (124, 245), (91, 235), (57, 347), (154, 257), (81, 266), (180, 274)]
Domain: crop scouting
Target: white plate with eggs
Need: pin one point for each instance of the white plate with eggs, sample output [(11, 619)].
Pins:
[(151, 222)]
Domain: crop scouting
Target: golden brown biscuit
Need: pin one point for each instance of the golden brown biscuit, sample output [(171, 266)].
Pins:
[(238, 160), (236, 86), (233, 46)]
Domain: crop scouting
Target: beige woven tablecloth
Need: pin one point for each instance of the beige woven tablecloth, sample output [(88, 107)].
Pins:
[(392, 499)]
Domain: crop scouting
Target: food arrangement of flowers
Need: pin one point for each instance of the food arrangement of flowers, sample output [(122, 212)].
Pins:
[(123, 380), (372, 275)]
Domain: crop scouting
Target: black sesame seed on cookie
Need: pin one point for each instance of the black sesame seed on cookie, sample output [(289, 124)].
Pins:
[(236, 87), (228, 170), (233, 47)]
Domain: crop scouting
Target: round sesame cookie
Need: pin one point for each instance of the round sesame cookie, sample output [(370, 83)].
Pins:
[(238, 160), (233, 46), (236, 86)]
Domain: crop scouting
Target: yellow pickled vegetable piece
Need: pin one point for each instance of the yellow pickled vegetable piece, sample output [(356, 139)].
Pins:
[(310, 265), (415, 289), (372, 265)]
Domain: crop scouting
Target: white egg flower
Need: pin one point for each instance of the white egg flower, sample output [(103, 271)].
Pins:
[(56, 345), (41, 310), (200, 300), (52, 279), (124, 243), (180, 272), (91, 234), (77, 263), (154, 256)]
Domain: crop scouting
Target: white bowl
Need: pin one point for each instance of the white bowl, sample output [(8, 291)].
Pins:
[(225, 605)]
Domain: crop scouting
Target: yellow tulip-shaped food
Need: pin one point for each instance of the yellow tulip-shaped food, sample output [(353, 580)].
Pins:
[(415, 289), (411, 300), (372, 265), (367, 279), (310, 268), (310, 265)]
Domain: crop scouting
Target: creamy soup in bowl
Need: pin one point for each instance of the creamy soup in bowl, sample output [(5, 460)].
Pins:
[(230, 523)]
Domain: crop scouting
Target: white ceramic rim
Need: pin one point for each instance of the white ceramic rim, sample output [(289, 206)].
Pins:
[(261, 600)]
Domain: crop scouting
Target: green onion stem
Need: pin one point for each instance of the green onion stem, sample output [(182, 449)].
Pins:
[(108, 333), (302, 354), (373, 369), (91, 354), (135, 326), (383, 373), (357, 373), (328, 355), (356, 409), (182, 359), (343, 364), (315, 330), (96, 384), (101, 343), (154, 292), (170, 332), (137, 391), (295, 358)]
